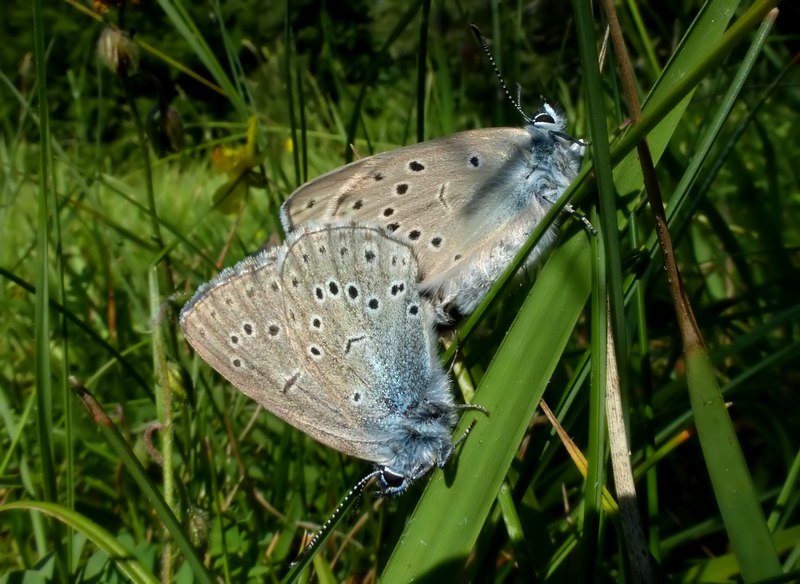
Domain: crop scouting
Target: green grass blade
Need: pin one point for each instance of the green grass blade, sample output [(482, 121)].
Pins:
[(699, 54), (145, 483), (123, 558), (608, 311), (727, 469), (451, 513), (184, 24), (372, 72), (733, 487), (422, 68), (598, 429), (44, 390)]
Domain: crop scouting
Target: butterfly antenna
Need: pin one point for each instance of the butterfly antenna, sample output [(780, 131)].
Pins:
[(322, 534), (356, 507), (485, 45)]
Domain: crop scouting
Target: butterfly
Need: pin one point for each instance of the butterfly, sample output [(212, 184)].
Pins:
[(329, 333), (465, 203)]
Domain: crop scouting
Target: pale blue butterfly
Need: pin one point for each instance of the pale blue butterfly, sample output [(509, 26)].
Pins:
[(465, 203), (329, 333)]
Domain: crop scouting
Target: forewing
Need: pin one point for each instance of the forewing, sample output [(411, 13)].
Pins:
[(444, 197)]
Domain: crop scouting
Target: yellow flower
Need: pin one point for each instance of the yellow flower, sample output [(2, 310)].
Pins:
[(238, 162)]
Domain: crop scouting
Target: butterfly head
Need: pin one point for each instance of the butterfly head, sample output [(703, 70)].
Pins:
[(549, 124), (549, 119), (421, 442), (394, 481), (391, 482)]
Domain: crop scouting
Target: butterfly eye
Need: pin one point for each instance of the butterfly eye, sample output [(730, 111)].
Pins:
[(391, 479), (544, 119)]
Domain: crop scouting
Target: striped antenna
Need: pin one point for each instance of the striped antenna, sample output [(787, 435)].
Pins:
[(485, 45), (322, 534)]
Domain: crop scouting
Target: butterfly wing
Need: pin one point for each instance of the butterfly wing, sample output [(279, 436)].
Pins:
[(328, 333), (464, 202), (426, 194), (237, 324), (361, 328)]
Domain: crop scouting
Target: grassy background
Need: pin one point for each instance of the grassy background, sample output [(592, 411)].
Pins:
[(97, 234)]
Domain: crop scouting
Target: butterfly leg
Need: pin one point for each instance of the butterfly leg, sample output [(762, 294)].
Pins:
[(580, 217)]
